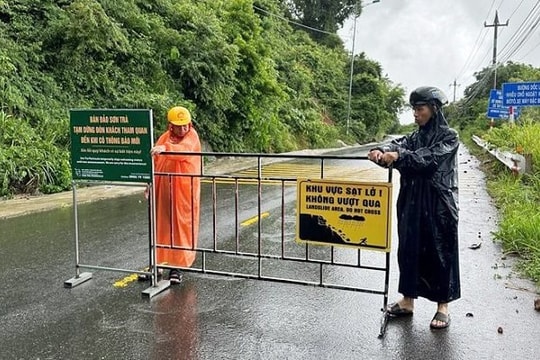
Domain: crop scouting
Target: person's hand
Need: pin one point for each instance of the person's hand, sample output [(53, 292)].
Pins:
[(389, 157), (147, 192), (375, 156), (383, 159), (157, 149)]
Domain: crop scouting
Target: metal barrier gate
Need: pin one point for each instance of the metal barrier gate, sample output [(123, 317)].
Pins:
[(248, 226), (253, 236)]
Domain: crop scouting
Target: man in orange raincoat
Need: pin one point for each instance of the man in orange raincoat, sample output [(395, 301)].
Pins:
[(177, 192)]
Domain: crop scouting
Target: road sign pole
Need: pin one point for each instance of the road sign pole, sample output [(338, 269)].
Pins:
[(511, 115)]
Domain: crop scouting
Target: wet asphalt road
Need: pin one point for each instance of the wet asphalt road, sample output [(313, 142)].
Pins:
[(212, 317)]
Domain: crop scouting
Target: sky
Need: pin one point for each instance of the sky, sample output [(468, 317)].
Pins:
[(437, 42)]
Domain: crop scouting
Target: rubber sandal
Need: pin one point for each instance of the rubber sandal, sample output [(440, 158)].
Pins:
[(175, 277), (397, 311), (439, 316)]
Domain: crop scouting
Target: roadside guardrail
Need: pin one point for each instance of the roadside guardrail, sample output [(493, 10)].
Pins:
[(519, 164)]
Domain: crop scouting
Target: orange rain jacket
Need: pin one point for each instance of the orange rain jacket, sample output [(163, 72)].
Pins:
[(177, 200)]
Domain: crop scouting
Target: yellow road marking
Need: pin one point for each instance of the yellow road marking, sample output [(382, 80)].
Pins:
[(293, 171), (254, 219), (125, 281), (131, 278)]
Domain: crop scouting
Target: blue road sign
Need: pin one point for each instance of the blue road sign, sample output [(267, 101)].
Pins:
[(496, 109), (495, 99), (521, 94), (501, 113)]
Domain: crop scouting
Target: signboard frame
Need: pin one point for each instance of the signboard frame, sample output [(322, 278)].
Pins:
[(496, 109), (521, 94), (111, 145), (344, 213)]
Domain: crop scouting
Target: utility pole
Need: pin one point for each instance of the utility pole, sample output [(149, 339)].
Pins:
[(356, 14), (351, 77), (455, 85), (495, 27)]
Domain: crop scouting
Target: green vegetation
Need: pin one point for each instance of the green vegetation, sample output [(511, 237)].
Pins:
[(517, 197), (253, 81), (30, 163)]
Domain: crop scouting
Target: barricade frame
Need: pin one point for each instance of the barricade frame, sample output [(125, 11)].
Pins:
[(259, 178), (152, 270)]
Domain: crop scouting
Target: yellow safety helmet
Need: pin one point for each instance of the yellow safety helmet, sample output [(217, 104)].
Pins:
[(179, 115)]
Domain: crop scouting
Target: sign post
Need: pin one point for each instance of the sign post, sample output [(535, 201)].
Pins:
[(112, 145)]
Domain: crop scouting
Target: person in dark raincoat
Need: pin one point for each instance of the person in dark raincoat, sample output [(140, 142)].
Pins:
[(427, 207)]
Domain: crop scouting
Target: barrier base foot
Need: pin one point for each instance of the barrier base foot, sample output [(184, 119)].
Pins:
[(77, 280), (154, 290)]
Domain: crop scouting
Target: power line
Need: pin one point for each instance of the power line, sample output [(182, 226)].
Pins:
[(475, 47), (521, 25), (530, 51), (485, 33), (490, 8), (292, 22), (472, 54), (524, 39), (480, 84), (521, 28), (499, 6), (523, 33), (357, 15), (486, 55), (516, 9), (520, 36)]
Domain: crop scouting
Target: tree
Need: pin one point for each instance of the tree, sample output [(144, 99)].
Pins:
[(326, 15), (253, 81), (470, 112), (375, 101)]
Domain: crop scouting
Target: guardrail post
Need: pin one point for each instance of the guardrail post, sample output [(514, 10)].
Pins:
[(528, 163)]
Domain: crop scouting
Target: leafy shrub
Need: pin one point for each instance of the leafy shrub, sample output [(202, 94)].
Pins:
[(30, 165)]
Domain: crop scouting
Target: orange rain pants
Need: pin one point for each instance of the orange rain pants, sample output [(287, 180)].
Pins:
[(177, 200)]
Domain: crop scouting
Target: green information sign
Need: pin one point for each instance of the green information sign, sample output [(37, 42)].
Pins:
[(111, 145)]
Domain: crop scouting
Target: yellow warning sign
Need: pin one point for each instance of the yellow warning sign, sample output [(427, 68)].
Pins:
[(346, 213)]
